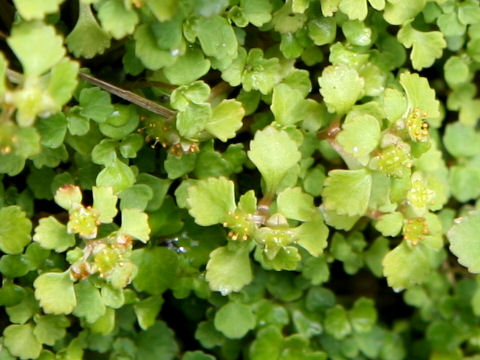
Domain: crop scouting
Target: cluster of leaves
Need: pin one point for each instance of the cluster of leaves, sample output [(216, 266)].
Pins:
[(240, 180)]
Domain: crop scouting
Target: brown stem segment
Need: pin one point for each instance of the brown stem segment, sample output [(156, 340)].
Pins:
[(130, 96)]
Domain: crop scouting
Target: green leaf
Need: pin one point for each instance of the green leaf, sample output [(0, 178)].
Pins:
[(267, 344), (234, 320), (96, 104), (52, 130), (340, 98), (105, 324), (226, 119), (196, 355), (147, 311), (258, 12), (464, 182), (68, 196), (105, 202), (274, 153), (192, 120), (351, 202), (464, 241), (228, 270), (420, 95), (188, 68), (135, 224), (211, 200), (21, 341), (163, 9), (426, 46), (87, 38), (104, 153), (322, 30), (90, 305), (55, 292), (52, 235), (37, 46), (217, 38), (359, 136), (399, 12), (36, 9), (23, 311), (295, 204), (156, 343), (136, 196), (288, 105), (461, 140), (336, 322), (14, 266), (118, 175), (312, 235), (50, 328), (15, 230), (404, 266), (63, 81), (121, 122), (363, 315), (117, 19), (390, 224), (158, 261), (260, 74), (148, 50), (354, 9)]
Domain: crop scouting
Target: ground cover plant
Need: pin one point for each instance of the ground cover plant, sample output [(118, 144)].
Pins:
[(239, 179)]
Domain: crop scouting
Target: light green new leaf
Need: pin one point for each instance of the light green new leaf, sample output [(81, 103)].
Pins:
[(359, 136), (116, 19), (105, 202), (87, 38), (37, 46), (228, 270), (341, 87), (464, 237), (312, 235), (118, 175), (226, 119), (21, 341), (426, 46), (274, 153), (419, 94), (210, 200), (52, 235), (14, 230), (234, 320), (36, 9), (404, 266), (135, 223), (295, 204), (55, 292), (347, 192), (260, 73)]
